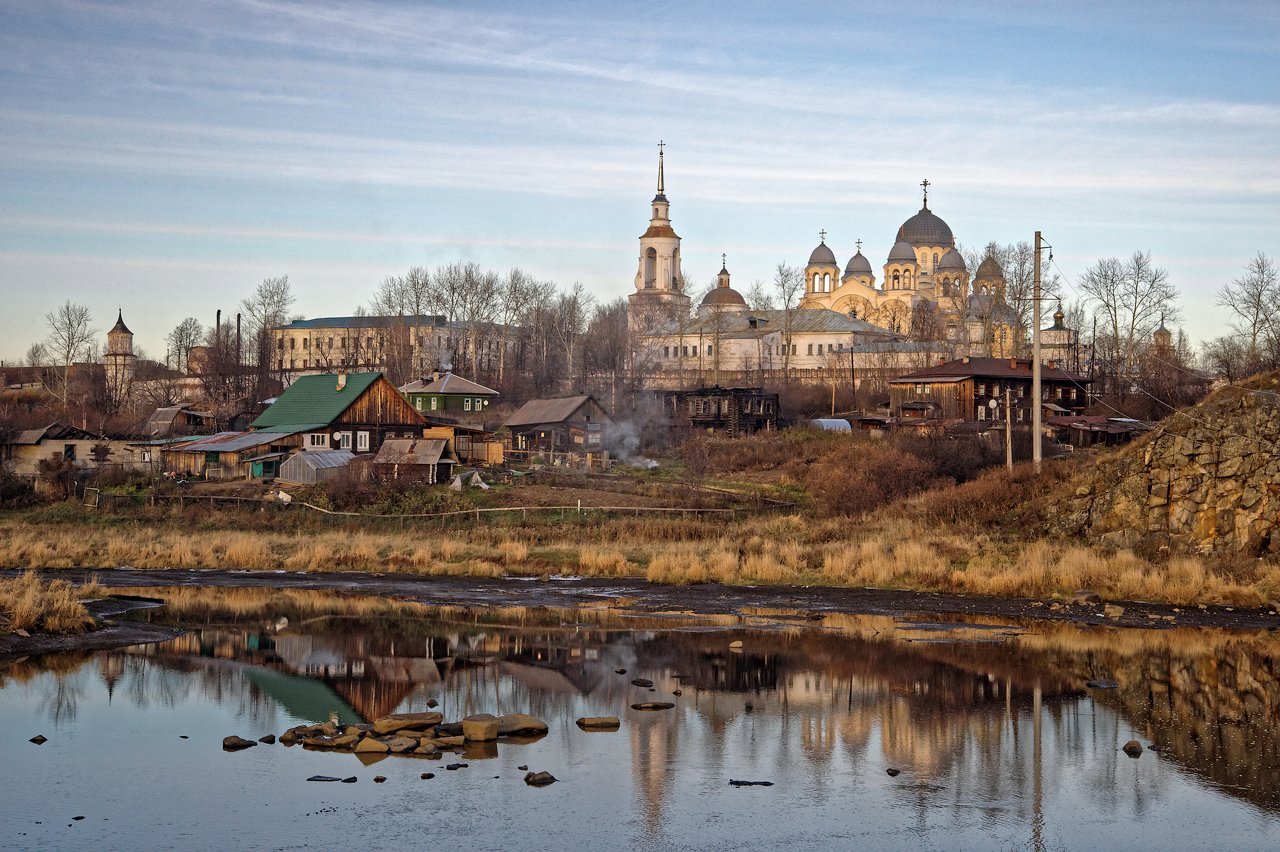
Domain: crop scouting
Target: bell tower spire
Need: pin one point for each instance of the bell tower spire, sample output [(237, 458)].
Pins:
[(659, 298), (661, 145)]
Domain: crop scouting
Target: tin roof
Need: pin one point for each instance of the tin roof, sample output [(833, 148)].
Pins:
[(537, 411), (322, 459), (316, 399), (414, 451), (230, 442), (448, 383)]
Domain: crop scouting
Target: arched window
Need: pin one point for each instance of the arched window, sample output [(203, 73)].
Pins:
[(650, 268), (826, 283), (935, 258), (897, 280)]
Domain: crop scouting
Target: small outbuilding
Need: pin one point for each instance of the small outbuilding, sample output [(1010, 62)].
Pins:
[(429, 460), (314, 467)]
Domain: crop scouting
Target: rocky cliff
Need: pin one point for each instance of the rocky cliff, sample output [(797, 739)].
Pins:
[(1206, 480)]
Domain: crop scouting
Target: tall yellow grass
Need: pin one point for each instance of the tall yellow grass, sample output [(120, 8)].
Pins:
[(52, 606)]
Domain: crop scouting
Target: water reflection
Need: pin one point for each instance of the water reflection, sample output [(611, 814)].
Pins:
[(990, 723)]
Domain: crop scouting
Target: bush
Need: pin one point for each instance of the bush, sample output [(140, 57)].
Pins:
[(14, 490)]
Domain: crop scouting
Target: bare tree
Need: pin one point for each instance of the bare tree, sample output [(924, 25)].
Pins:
[(1253, 300), (70, 339), (759, 297), (1129, 299), (788, 282), (264, 311), (184, 336), (1227, 357)]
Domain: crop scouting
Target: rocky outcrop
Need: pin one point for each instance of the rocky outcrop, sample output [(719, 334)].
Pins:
[(1207, 480)]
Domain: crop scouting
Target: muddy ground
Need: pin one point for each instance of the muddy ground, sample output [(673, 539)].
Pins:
[(811, 602)]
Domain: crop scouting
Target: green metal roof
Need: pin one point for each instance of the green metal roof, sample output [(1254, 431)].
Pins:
[(315, 399)]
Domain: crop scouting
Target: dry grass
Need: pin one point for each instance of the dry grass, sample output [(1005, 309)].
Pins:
[(50, 606), (883, 551)]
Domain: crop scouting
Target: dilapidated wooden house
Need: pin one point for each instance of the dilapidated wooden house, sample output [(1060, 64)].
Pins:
[(734, 411), (428, 460), (574, 424), (965, 388)]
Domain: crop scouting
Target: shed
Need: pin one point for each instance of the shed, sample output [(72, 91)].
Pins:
[(429, 460), (314, 467), (831, 424), (574, 424)]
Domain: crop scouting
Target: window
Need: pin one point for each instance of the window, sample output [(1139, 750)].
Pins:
[(146, 455), (280, 344), (330, 342), (666, 352), (280, 364), (435, 400), (362, 442), (466, 404), (794, 347), (306, 343), (417, 402), (69, 452), (317, 440), (344, 440), (1020, 412), (922, 388), (709, 353), (810, 349), (304, 363), (293, 343), (982, 412), (684, 351), (982, 389)]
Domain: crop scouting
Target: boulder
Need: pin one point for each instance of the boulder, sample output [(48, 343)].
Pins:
[(653, 705), (453, 767), (448, 742), (407, 722), (450, 729), (323, 778), (400, 745), (539, 779), (1133, 748), (269, 739), (429, 750), (599, 723), (480, 727), (427, 776), (234, 743), (39, 739), (431, 702), (350, 780), (893, 773), (369, 745), (1112, 611), (641, 681), (379, 779), (619, 671), (520, 723)]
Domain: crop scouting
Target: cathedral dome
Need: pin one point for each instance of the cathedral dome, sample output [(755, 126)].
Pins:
[(858, 265), (990, 268), (723, 297), (822, 256), (952, 261), (902, 252), (926, 229)]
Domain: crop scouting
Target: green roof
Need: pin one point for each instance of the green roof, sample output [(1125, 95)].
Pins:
[(315, 399)]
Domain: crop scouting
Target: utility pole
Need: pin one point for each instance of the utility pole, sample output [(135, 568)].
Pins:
[(1036, 450), (1008, 427)]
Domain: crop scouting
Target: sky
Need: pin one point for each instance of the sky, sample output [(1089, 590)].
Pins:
[(164, 158)]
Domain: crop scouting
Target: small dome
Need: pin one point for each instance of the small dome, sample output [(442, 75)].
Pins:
[(723, 297), (952, 261), (990, 269), (822, 256), (902, 252), (858, 265), (926, 229)]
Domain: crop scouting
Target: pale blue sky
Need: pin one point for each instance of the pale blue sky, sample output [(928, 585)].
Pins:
[(167, 156)]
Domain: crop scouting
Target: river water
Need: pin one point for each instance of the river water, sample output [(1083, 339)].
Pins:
[(998, 741)]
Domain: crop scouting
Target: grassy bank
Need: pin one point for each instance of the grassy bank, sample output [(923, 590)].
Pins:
[(49, 606), (906, 547)]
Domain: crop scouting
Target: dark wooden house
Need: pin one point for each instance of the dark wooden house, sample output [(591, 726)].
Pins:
[(736, 411), (964, 389), (574, 424)]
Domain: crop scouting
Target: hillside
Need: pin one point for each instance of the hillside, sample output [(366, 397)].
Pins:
[(1207, 480)]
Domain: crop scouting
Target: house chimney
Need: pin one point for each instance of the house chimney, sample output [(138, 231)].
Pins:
[(342, 381), (966, 359), (435, 376), (1013, 363)]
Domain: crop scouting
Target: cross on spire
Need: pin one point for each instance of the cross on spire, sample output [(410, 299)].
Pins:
[(925, 183), (722, 260), (661, 146), (823, 235), (858, 242)]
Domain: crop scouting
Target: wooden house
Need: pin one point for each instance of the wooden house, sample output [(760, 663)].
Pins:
[(735, 411), (229, 455), (449, 395), (574, 424), (26, 449), (343, 411), (965, 388), (429, 460)]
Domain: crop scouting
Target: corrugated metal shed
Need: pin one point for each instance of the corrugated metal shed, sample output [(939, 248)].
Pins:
[(315, 466)]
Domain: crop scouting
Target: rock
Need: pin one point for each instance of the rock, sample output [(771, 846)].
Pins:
[(183, 737), (524, 768), (599, 723), (20, 632), (520, 723), (1084, 596), (429, 750), (1054, 607), (1112, 611), (749, 707), (449, 742), (379, 779), (234, 743), (39, 739), (431, 702), (453, 767), (1153, 747), (619, 671), (452, 729), (653, 705), (539, 779), (1133, 748), (350, 780), (369, 745), (407, 722), (735, 645), (480, 728), (641, 681), (893, 773), (343, 742), (329, 729), (427, 776), (400, 745), (733, 783), (269, 739), (77, 818), (1101, 684), (676, 692), (323, 778)]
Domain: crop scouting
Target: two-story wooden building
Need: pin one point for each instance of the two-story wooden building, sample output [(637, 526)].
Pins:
[(343, 411), (965, 388), (449, 395)]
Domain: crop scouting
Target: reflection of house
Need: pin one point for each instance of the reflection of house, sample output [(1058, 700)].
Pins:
[(574, 424), (341, 412), (429, 460), (737, 411), (964, 389), (27, 449), (450, 395)]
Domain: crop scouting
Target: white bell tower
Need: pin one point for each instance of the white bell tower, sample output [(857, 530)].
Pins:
[(659, 297)]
